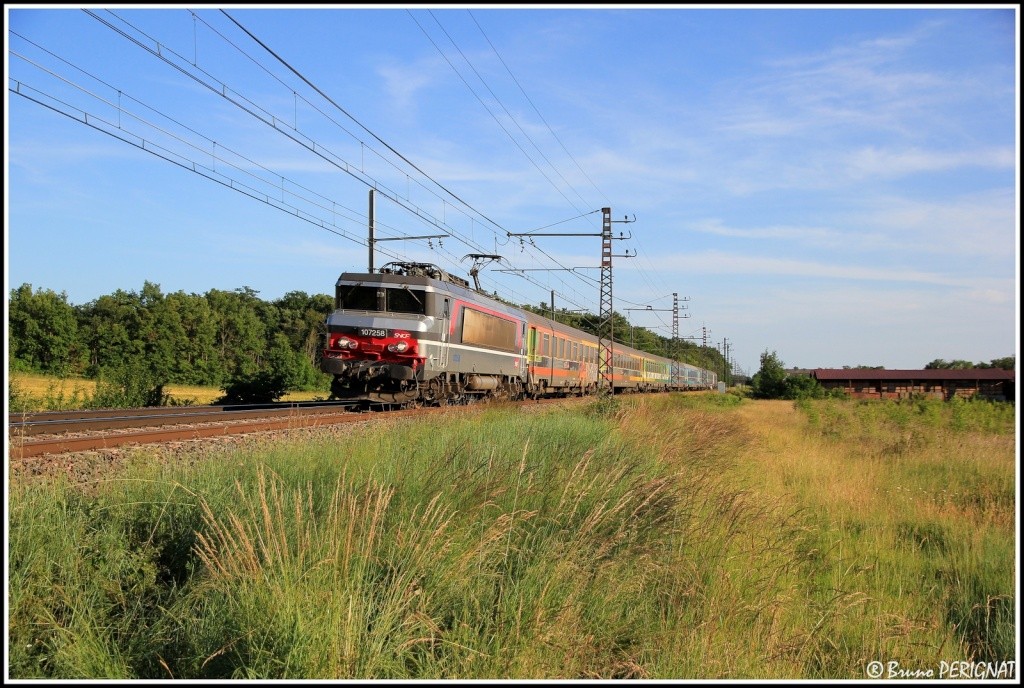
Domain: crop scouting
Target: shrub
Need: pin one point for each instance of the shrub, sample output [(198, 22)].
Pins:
[(263, 387), (127, 386)]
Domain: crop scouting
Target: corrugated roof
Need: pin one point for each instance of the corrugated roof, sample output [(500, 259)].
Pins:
[(930, 374)]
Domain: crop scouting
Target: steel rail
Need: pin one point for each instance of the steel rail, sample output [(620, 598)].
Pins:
[(14, 418), (59, 445)]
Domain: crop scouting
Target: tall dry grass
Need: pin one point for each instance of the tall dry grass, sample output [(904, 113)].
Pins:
[(642, 538), (915, 506)]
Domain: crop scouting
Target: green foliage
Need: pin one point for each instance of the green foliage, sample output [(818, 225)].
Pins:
[(262, 387), (920, 417), (739, 391), (18, 365), (57, 400), (801, 387), (769, 382), (292, 365), (950, 465), (111, 330), (712, 401), (132, 384), (979, 415), (212, 339), (93, 576), (949, 365), (976, 603), (192, 335), (18, 401), (606, 406), (1006, 363), (773, 382), (42, 331)]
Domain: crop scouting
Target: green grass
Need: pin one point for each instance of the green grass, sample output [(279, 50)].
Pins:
[(649, 537)]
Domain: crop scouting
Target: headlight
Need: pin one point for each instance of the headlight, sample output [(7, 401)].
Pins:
[(346, 343), (398, 347)]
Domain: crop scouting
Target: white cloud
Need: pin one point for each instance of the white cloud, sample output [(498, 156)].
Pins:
[(977, 225), (713, 262), (820, 236), (981, 224), (994, 296), (404, 82), (874, 161), (861, 324)]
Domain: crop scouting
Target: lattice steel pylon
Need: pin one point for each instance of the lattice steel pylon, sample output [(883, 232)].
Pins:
[(675, 338), (605, 325), (605, 328), (704, 353)]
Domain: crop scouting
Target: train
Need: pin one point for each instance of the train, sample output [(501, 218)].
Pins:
[(413, 334)]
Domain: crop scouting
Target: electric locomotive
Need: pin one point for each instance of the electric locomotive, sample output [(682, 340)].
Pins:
[(414, 333)]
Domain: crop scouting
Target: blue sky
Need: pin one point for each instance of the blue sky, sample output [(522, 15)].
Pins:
[(836, 185)]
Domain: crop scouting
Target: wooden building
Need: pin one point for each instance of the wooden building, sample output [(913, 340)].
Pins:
[(986, 383)]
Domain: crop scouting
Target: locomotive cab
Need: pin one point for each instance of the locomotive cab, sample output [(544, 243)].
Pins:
[(375, 336), (413, 333)]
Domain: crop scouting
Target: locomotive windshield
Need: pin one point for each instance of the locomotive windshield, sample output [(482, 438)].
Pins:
[(381, 299)]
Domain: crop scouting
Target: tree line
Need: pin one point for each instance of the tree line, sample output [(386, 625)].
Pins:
[(1005, 363), (214, 339)]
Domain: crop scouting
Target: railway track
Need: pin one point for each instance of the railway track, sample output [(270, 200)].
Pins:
[(39, 434), (26, 425)]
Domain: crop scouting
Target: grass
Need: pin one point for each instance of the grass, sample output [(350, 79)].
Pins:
[(654, 537), (920, 504)]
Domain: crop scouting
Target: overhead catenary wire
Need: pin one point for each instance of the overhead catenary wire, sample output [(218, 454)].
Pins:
[(309, 83), (270, 120), (195, 167), (347, 114), (221, 153), (644, 274), (310, 144), (148, 145), (319, 91), (509, 114), (535, 109), (122, 94)]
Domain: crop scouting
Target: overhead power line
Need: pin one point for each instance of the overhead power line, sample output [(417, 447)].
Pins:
[(468, 242), (535, 109), (509, 114), (347, 114), (219, 153)]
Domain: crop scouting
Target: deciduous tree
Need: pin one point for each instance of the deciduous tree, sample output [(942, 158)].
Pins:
[(769, 381), (42, 330)]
